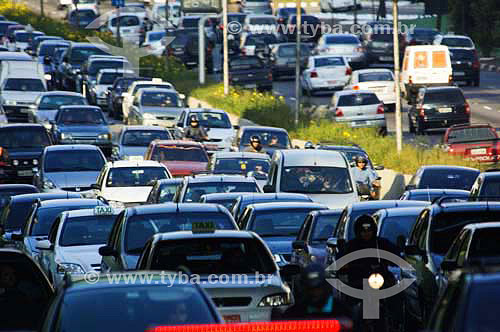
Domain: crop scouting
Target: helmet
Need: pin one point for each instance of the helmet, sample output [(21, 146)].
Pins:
[(364, 221), (193, 118), (255, 139), (313, 276), (308, 145), (360, 159)]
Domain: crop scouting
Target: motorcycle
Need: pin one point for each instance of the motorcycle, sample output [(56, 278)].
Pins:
[(367, 193)]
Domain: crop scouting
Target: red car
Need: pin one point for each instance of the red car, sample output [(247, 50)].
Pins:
[(182, 158), (476, 142)]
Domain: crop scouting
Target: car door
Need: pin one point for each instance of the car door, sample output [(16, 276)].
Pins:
[(299, 256), (452, 256), (109, 263)]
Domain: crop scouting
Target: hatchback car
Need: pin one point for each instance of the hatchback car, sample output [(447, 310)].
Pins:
[(443, 177), (478, 142), (486, 187), (132, 141), (156, 107), (325, 73)]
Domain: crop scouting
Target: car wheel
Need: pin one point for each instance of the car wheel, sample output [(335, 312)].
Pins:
[(410, 125)]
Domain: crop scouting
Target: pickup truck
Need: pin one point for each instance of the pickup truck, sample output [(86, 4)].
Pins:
[(250, 72), (477, 142)]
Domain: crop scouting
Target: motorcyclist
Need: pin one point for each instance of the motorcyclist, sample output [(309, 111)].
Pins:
[(255, 145), (367, 180), (195, 131), (308, 145)]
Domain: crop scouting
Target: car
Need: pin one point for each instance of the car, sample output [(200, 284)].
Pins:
[(217, 123), (82, 124), (42, 216), (18, 207), (466, 66), (156, 107), (250, 72), (283, 13), (350, 152), (132, 141), (469, 302), (11, 29), (154, 40), (244, 163), (325, 73), (431, 237), (346, 45), (443, 177), (21, 149), (130, 26), (97, 89), (395, 224), (255, 7), (82, 18), (485, 187), (115, 94), (454, 41), (430, 195), (475, 245), (35, 45), (283, 59), (194, 187), (325, 176), (55, 66), (338, 5), (70, 168), (73, 242), (380, 81), (185, 47), (278, 223), (47, 104), (46, 53), (245, 200), (90, 69), (9, 190), (421, 36), (224, 252), (266, 135), (310, 31), (378, 43), (129, 182), (23, 38), (116, 308), (478, 142), (182, 158), (225, 199), (14, 56), (358, 109), (310, 245), (26, 291), (135, 226), (4, 26), (424, 66), (234, 43), (163, 191), (259, 44), (438, 107), (192, 22), (174, 13)]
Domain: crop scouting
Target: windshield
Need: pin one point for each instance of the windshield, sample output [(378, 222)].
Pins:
[(214, 256), (324, 227), (240, 166), (151, 85), (446, 97), (375, 76), (291, 51), (98, 65), (270, 139), (383, 37), (26, 37), (393, 227), (225, 202), (53, 102), (448, 179), (179, 153), (15, 214), (167, 192), (16, 138), (109, 78), (24, 84), (80, 54), (81, 117), (140, 228), (86, 231), (135, 176), (358, 99), (472, 134), (125, 21), (328, 62), (424, 33), (263, 21), (236, 18), (73, 161), (143, 138), (160, 99), (342, 40), (316, 180), (134, 307), (212, 119), (196, 190), (457, 42), (48, 49), (279, 223), (46, 216)]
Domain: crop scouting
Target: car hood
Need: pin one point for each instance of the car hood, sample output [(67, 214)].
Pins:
[(86, 256), (182, 168), (133, 151), (280, 244), (334, 201), (21, 96), (88, 129), (127, 194), (73, 179)]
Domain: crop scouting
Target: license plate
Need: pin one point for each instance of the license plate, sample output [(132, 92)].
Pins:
[(25, 110), (477, 151), (250, 86), (232, 318), (445, 110), (101, 102), (333, 82), (25, 173), (386, 58), (459, 73)]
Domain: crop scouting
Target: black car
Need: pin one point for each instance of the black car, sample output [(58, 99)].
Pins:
[(129, 306), (250, 72), (284, 13), (163, 191), (4, 26), (114, 94), (430, 195), (379, 45), (431, 237), (21, 148), (9, 190), (350, 152), (438, 107), (395, 224), (227, 200), (443, 177), (185, 47), (486, 187), (465, 65), (310, 28), (26, 291), (82, 18), (421, 36)]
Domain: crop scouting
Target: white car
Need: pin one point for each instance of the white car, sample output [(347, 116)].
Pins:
[(129, 182), (154, 42), (379, 81), (74, 241), (130, 26), (174, 13), (128, 97), (346, 45), (85, 4), (325, 73), (261, 24), (105, 78), (455, 41)]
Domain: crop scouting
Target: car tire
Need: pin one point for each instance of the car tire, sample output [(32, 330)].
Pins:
[(410, 125)]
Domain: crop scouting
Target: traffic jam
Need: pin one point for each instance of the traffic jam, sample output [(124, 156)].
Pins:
[(123, 208)]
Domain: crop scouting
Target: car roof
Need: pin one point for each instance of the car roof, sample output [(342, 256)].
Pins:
[(465, 207), (174, 208), (177, 142), (484, 225), (352, 92), (71, 147), (187, 235), (139, 127), (440, 167), (271, 206), (70, 202), (313, 157), (202, 110), (402, 211), (130, 163), (439, 191), (220, 178), (44, 196), (87, 213), (490, 174), (371, 205), (442, 88), (10, 186), (243, 155), (221, 196), (21, 125), (79, 107), (328, 212), (372, 70), (168, 181), (263, 128), (61, 93)]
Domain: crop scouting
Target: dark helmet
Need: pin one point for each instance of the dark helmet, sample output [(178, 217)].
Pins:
[(313, 276), (193, 118), (364, 221), (309, 145), (255, 139), (361, 159)]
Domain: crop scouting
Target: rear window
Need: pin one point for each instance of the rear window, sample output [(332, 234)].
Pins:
[(341, 40), (383, 37), (25, 37), (190, 22), (291, 51), (447, 179), (196, 190), (24, 138), (329, 62), (245, 63), (370, 77), (125, 21), (179, 153), (86, 231), (447, 96), (472, 134), (359, 99), (53, 102), (261, 39), (457, 42)]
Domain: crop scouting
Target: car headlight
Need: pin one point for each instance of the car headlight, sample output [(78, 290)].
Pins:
[(148, 116), (276, 300), (105, 136), (35, 162), (70, 268), (47, 184), (10, 102), (66, 136), (15, 162), (47, 77)]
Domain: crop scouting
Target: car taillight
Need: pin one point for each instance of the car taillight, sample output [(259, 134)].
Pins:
[(380, 109), (348, 71), (313, 74), (270, 76), (410, 81), (221, 26), (338, 112), (450, 79), (421, 111), (4, 157), (467, 108), (356, 87), (280, 20)]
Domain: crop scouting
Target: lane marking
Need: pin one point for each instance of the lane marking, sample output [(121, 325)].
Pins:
[(488, 108)]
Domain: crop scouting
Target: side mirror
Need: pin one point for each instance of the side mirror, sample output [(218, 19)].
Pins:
[(379, 167), (448, 265), (179, 124), (52, 122), (289, 270), (236, 127), (95, 186), (268, 188), (413, 250), (107, 251), (410, 187), (47, 60), (16, 237), (44, 245), (332, 243), (299, 245)]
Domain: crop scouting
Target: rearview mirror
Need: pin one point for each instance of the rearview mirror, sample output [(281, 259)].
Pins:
[(44, 245), (332, 242), (107, 251)]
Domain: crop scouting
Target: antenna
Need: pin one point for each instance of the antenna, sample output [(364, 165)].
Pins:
[(177, 209)]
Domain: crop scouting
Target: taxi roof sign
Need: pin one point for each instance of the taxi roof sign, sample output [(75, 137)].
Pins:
[(135, 158), (203, 227), (103, 211)]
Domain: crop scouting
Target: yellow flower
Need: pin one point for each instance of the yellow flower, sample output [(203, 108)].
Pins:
[(346, 134)]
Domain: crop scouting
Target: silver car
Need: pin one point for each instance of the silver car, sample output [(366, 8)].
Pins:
[(133, 141), (256, 7), (346, 45), (47, 104), (156, 107), (358, 108)]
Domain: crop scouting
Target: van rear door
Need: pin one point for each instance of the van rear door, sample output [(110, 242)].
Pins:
[(431, 66)]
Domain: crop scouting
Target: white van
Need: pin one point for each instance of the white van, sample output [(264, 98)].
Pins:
[(323, 175), (424, 65)]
